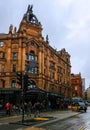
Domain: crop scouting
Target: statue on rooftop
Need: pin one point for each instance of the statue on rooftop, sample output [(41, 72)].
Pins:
[(30, 17), (29, 10), (10, 28), (47, 39)]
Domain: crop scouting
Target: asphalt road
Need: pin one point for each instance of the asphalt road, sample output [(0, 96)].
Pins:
[(78, 122)]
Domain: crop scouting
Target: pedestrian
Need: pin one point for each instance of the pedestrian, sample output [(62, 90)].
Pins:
[(26, 108), (37, 109), (8, 108), (17, 109), (29, 108)]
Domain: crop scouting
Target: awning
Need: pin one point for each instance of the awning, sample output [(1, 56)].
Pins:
[(9, 91), (35, 90)]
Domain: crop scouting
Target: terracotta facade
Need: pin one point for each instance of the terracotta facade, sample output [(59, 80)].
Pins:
[(76, 85), (25, 50)]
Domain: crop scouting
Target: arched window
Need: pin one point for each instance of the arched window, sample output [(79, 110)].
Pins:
[(3, 83), (13, 84)]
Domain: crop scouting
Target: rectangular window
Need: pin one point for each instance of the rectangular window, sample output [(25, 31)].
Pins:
[(2, 55), (36, 58), (3, 67), (14, 68), (3, 83), (31, 57), (13, 84), (14, 56), (33, 70), (1, 44), (27, 68)]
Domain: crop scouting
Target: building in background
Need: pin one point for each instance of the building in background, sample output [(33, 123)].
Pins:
[(76, 85), (83, 87), (87, 94), (25, 50)]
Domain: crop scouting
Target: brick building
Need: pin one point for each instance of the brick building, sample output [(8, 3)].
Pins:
[(25, 50), (76, 85)]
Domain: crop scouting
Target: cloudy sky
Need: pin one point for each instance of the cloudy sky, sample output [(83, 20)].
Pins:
[(67, 23)]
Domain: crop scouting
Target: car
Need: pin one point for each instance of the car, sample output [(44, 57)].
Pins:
[(78, 106)]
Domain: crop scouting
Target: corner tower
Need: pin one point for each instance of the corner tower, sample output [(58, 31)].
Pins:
[(30, 24)]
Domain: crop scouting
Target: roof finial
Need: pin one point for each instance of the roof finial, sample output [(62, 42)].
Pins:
[(30, 17), (10, 28), (47, 39), (30, 8)]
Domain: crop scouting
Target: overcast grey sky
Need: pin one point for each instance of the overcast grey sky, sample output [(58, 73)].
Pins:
[(67, 23)]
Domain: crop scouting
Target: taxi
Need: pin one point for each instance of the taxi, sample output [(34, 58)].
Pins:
[(78, 106)]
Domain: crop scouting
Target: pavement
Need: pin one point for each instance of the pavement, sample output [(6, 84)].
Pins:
[(45, 118)]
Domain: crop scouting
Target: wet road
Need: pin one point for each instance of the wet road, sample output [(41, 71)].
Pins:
[(78, 122)]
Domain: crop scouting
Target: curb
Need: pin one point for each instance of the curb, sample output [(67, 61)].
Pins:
[(16, 119), (54, 120), (41, 123)]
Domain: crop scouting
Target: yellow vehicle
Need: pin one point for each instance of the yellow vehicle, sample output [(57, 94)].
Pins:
[(78, 106)]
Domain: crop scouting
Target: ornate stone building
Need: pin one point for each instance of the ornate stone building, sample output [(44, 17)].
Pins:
[(25, 50)]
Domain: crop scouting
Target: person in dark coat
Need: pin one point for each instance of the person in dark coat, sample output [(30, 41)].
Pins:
[(37, 109)]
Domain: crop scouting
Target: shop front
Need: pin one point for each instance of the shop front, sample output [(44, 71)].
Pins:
[(10, 95), (34, 95)]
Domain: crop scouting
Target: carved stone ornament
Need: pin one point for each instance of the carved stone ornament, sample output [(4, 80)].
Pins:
[(30, 17)]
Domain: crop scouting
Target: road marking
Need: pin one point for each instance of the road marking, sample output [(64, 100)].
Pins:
[(85, 126)]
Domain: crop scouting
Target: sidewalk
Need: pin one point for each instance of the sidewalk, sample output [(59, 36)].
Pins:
[(55, 115)]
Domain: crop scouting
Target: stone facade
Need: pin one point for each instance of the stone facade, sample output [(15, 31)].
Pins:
[(25, 50)]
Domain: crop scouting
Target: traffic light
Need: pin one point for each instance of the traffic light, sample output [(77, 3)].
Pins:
[(19, 78), (26, 82)]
